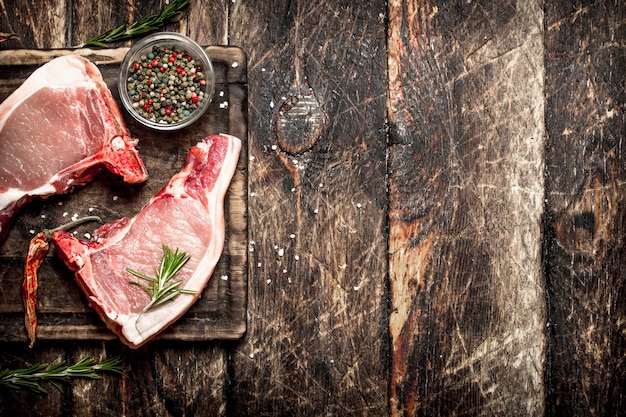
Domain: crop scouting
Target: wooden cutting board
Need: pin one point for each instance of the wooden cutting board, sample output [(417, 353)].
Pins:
[(63, 312)]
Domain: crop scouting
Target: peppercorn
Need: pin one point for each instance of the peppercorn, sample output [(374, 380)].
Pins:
[(178, 89)]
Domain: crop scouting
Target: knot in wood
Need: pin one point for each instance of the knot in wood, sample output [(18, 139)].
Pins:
[(299, 123)]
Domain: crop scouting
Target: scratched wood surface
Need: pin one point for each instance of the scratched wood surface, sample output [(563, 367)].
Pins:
[(317, 337), (435, 213), (466, 199), (586, 208)]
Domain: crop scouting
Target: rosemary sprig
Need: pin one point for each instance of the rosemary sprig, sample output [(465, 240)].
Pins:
[(163, 287), (30, 378), (169, 14)]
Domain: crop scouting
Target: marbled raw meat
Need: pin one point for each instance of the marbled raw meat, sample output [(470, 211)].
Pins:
[(57, 131), (187, 214)]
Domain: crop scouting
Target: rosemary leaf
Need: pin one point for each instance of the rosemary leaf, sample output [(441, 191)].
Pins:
[(163, 288), (169, 14), (30, 378)]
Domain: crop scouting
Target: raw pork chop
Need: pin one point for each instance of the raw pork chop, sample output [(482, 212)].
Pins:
[(56, 131), (187, 214)]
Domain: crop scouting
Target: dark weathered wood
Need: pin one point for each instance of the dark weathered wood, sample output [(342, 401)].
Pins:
[(317, 340), (586, 207), (15, 403), (91, 19), (39, 24), (63, 313), (207, 21), (466, 195), (466, 324)]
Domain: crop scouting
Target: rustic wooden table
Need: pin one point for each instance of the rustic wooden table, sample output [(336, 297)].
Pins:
[(435, 214)]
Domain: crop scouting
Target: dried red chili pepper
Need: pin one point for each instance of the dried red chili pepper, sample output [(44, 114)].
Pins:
[(37, 250)]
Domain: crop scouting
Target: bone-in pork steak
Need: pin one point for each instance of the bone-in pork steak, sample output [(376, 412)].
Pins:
[(187, 214), (57, 131)]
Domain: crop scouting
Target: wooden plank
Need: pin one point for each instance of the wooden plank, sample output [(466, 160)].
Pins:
[(207, 21), (14, 402), (466, 195), (317, 336), (38, 23), (220, 312), (586, 207)]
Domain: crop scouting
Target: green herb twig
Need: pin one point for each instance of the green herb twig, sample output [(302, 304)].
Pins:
[(30, 378), (169, 14), (163, 287)]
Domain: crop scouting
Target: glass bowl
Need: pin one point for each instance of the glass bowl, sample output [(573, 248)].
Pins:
[(166, 81)]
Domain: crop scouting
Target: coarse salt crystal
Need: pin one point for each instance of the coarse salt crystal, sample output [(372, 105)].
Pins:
[(90, 209), (269, 281), (32, 232), (356, 288), (251, 355), (221, 94), (224, 277), (284, 271), (293, 235), (293, 190), (252, 193), (65, 214), (115, 198), (60, 203), (252, 158), (272, 104), (316, 211), (274, 147), (296, 257), (234, 64), (43, 216), (358, 205), (87, 235), (281, 252)]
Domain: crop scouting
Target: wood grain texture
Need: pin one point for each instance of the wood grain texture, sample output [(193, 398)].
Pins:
[(92, 18), (39, 24), (207, 21), (466, 188), (586, 207), (465, 330), (15, 403), (316, 339)]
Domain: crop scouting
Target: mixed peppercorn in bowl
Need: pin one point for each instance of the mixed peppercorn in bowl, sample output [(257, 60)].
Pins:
[(166, 81)]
